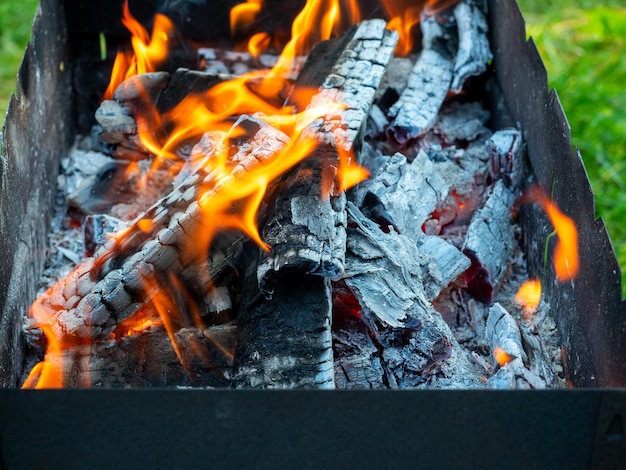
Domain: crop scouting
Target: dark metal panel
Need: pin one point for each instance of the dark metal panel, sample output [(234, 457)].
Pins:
[(305, 429), (36, 131), (589, 310)]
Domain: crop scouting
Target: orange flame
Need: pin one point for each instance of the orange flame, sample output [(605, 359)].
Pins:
[(232, 199), (404, 15), (529, 295), (318, 21), (148, 52), (244, 14), (566, 250), (501, 356)]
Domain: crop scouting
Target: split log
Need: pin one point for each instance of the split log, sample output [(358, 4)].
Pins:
[(285, 342), (130, 269), (306, 222), (416, 345), (473, 53), (416, 110), (489, 242)]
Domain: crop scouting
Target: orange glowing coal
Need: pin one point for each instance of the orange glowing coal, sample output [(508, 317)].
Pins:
[(149, 51), (528, 296), (501, 356), (565, 258)]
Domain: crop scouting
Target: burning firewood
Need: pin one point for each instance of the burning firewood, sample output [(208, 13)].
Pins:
[(307, 228)]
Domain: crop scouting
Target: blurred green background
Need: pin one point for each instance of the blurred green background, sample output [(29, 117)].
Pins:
[(583, 44)]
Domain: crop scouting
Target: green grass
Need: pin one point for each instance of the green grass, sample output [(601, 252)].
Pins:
[(16, 18), (583, 44)]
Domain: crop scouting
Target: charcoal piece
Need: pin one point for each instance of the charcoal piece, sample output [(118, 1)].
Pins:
[(503, 332), (417, 346), (462, 122), (473, 54), (182, 83), (489, 242), (505, 149), (306, 220), (98, 228), (285, 342), (148, 254), (416, 110)]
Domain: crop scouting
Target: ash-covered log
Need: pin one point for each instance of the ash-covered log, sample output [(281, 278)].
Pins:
[(415, 345), (130, 269), (306, 221)]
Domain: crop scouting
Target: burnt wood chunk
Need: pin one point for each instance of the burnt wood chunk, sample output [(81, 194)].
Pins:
[(306, 220), (473, 53), (503, 333), (133, 267), (506, 148), (489, 242), (285, 342), (150, 358), (415, 344), (416, 110)]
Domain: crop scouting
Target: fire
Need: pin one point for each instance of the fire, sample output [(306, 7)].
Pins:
[(148, 51), (501, 356), (566, 250), (528, 297), (244, 14), (404, 15)]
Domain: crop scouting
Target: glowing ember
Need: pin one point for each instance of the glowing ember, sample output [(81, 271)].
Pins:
[(501, 356)]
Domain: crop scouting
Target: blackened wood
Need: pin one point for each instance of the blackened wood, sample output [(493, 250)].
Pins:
[(306, 222), (473, 53), (148, 359), (417, 346), (285, 342), (416, 110)]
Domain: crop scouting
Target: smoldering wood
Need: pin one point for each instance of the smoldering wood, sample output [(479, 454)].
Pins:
[(489, 241), (149, 359), (416, 110), (462, 122), (506, 148), (473, 52), (97, 230), (503, 331), (416, 345), (214, 60), (112, 285), (306, 221), (285, 342)]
